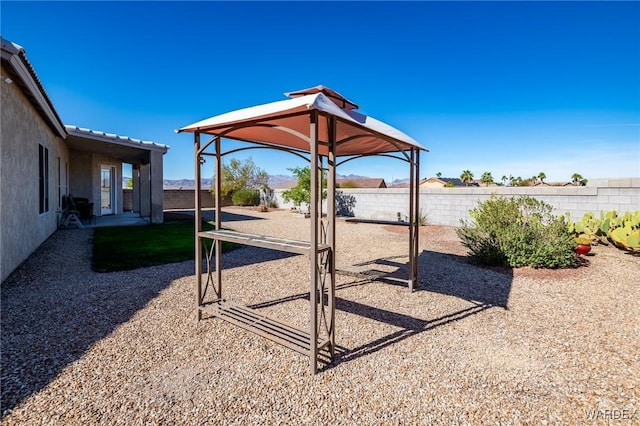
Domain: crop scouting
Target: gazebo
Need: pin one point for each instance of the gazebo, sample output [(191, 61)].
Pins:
[(323, 127)]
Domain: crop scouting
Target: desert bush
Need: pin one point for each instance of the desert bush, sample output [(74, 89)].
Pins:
[(240, 174), (423, 218), (345, 204), (246, 197), (517, 232)]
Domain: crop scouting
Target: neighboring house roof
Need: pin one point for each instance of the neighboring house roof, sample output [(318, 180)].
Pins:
[(25, 76), (443, 181), (365, 183), (553, 184)]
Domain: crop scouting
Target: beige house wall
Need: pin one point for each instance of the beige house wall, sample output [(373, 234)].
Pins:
[(80, 170), (428, 184), (22, 227)]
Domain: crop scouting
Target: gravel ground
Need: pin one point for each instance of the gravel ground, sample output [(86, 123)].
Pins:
[(472, 346)]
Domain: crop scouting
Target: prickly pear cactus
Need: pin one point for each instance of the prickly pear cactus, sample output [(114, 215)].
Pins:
[(626, 238), (621, 229)]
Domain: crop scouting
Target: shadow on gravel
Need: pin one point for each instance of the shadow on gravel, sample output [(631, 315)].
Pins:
[(442, 273), (409, 327), (53, 308), (445, 273), (458, 276)]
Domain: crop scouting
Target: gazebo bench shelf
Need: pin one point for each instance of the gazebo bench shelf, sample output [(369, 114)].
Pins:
[(270, 328), (264, 241), (264, 326)]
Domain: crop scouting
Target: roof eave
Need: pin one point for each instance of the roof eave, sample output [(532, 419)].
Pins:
[(116, 139), (14, 55)]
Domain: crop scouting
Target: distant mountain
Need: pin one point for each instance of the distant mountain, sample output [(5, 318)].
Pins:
[(274, 181), (339, 176), (399, 183), (186, 183)]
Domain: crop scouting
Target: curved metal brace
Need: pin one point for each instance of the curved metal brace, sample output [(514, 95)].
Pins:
[(206, 145), (371, 155), (350, 138), (246, 148)]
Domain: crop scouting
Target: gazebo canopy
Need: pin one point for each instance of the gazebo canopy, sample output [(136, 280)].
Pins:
[(286, 124)]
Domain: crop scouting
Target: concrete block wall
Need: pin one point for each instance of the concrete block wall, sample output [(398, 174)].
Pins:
[(184, 199), (177, 199), (446, 206)]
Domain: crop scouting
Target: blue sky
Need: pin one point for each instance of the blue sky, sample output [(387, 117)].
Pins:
[(507, 87)]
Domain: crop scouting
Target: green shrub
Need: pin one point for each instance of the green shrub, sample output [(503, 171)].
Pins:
[(348, 184), (517, 232), (246, 197)]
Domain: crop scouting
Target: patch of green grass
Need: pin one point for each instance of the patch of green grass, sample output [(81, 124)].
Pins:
[(123, 248)]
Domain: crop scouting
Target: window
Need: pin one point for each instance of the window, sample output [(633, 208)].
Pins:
[(44, 178)]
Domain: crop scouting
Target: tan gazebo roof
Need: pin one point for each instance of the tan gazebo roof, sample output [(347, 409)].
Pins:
[(286, 123)]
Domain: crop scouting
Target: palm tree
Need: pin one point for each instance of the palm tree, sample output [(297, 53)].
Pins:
[(439, 175), (466, 177), (504, 179), (486, 178), (542, 177), (515, 181), (576, 178)]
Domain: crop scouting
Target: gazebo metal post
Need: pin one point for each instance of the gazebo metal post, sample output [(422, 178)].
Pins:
[(313, 254), (198, 226), (416, 235), (412, 218), (218, 201), (331, 231)]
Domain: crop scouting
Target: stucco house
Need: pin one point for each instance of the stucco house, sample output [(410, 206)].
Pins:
[(42, 160)]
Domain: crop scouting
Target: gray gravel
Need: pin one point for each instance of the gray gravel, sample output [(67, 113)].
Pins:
[(472, 346)]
